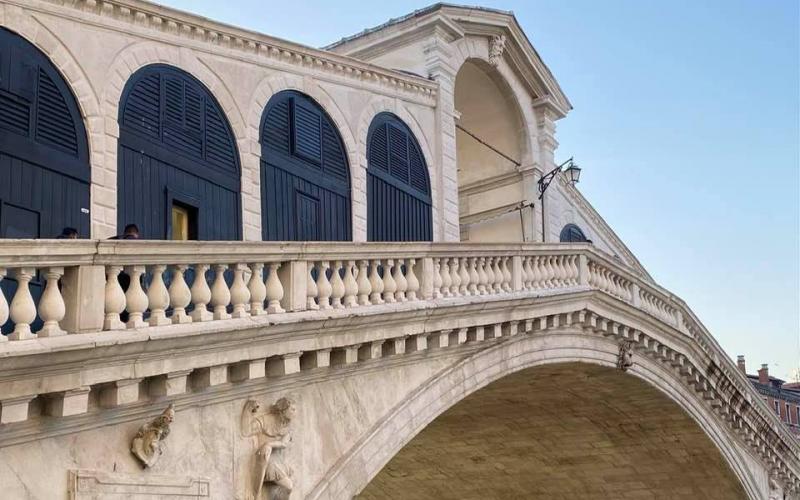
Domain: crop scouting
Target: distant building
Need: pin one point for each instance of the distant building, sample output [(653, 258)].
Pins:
[(782, 397)]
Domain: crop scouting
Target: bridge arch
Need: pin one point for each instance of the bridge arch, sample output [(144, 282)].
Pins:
[(351, 474)]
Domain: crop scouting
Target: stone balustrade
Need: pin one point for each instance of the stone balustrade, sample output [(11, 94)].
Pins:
[(133, 285)]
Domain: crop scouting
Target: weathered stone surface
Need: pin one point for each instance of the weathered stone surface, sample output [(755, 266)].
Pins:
[(559, 432)]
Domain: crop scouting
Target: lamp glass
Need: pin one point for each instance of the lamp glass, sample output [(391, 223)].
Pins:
[(573, 173)]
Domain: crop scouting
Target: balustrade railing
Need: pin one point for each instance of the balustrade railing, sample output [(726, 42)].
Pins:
[(50, 288)]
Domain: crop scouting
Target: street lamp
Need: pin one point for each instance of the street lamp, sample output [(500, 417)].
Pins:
[(573, 174)]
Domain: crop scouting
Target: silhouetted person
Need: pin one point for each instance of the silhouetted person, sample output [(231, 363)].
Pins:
[(131, 232), (68, 233)]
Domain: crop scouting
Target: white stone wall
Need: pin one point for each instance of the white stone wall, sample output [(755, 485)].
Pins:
[(97, 46)]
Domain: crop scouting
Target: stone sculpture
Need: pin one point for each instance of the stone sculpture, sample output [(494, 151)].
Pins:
[(271, 430), (497, 45), (147, 445), (625, 357)]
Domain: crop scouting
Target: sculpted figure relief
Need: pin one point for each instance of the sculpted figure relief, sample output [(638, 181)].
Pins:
[(497, 45), (625, 357), (271, 430), (147, 444)]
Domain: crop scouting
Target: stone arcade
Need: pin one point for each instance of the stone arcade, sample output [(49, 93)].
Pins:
[(420, 327)]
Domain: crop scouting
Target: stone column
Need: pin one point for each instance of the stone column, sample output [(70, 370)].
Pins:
[(547, 112), (438, 55)]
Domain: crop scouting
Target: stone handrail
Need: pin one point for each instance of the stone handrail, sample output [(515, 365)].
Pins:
[(94, 285)]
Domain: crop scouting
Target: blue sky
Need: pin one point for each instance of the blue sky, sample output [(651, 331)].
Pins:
[(686, 121)]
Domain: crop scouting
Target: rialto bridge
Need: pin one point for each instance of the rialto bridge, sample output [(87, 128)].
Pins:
[(372, 302)]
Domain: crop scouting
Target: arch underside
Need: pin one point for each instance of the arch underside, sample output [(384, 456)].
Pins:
[(560, 431)]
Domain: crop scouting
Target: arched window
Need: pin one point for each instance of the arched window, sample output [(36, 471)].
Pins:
[(398, 187), (179, 170), (305, 176), (572, 234), (44, 154)]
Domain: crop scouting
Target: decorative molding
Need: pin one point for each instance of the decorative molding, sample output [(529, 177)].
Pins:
[(498, 181), (173, 23), (91, 485), (582, 204)]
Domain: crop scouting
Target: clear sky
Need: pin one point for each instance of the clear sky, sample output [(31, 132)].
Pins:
[(686, 122)]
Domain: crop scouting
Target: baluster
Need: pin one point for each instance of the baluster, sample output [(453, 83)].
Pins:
[(311, 286), (526, 273), (337, 286), (364, 287), (473, 276), (455, 279), (275, 289), (463, 275), (201, 294), (536, 268), (257, 288), (220, 294), (3, 306), (350, 285), (51, 305), (490, 277), (158, 297), (573, 270), (483, 278), (506, 275), (445, 274), (179, 295), (135, 297), (400, 281), (551, 271), (389, 285), (413, 282), (375, 283), (114, 299), (497, 286), (240, 295), (593, 275), (561, 271), (437, 278), (23, 309), (324, 286)]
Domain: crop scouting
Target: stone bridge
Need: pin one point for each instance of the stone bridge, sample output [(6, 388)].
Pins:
[(416, 370)]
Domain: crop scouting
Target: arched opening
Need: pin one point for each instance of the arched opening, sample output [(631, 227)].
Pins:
[(572, 234), (44, 153), (178, 168), (569, 430), (490, 145), (305, 175), (398, 184)]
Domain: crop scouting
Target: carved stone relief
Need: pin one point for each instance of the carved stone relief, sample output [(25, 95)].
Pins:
[(625, 356), (147, 445), (497, 45), (96, 485), (272, 477)]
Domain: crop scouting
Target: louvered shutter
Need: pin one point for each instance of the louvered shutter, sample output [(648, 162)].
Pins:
[(307, 132), (302, 160), (54, 124), (142, 110), (379, 149)]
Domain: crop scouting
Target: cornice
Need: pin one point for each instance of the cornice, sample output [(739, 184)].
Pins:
[(519, 51), (583, 204), (139, 14), (490, 183)]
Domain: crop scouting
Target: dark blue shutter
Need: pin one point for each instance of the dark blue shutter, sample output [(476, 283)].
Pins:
[(398, 187), (44, 154), (572, 234), (176, 145), (305, 176)]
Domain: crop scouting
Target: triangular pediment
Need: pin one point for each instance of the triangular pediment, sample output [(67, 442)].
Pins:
[(451, 23)]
